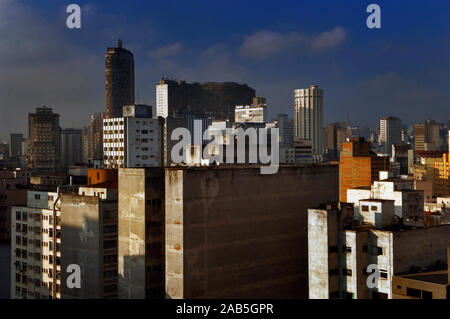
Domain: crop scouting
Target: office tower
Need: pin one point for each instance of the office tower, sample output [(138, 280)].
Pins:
[(36, 248), (141, 225), (89, 237), (286, 127), (404, 155), (254, 113), (341, 247), (308, 119), (390, 132), (212, 99), (45, 141), (134, 140), (358, 166), (212, 245), (426, 136), (71, 147), (119, 80), (85, 145), (96, 137), (335, 136), (442, 174), (15, 145)]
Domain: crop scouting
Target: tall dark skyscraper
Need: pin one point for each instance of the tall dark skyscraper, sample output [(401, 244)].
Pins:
[(119, 80), (45, 142)]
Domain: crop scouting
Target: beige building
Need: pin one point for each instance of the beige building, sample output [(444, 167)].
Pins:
[(141, 233), (36, 248), (89, 236), (433, 283), (308, 118), (341, 249), (234, 233)]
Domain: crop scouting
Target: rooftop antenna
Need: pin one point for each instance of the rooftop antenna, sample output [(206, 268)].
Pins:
[(119, 43)]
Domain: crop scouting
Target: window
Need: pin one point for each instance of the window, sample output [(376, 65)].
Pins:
[(347, 249), (374, 208), (377, 251), (347, 272), (333, 272), (365, 208), (109, 244), (413, 292), (37, 196), (383, 274)]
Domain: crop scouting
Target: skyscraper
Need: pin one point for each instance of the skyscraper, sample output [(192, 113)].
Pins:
[(96, 137), (71, 147), (15, 145), (308, 118), (119, 80), (213, 99), (45, 141), (390, 132)]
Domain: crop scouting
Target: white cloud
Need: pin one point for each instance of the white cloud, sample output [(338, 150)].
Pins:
[(330, 39), (264, 44)]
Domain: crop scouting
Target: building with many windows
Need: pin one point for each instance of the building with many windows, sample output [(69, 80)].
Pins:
[(308, 119), (36, 247), (134, 140)]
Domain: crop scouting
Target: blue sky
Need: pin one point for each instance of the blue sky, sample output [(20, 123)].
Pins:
[(401, 69)]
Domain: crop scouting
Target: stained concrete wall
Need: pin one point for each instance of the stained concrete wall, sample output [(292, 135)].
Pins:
[(82, 220), (141, 233), (234, 233)]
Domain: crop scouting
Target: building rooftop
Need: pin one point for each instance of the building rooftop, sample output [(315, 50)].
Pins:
[(436, 277)]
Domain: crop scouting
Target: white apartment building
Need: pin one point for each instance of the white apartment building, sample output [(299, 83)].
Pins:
[(408, 203), (132, 141), (162, 100), (339, 251), (35, 257), (250, 113), (308, 118)]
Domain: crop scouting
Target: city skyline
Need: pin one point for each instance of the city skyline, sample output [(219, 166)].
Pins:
[(367, 74)]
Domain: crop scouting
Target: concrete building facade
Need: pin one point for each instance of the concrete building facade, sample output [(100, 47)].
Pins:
[(45, 141), (308, 118), (234, 233), (89, 237), (141, 234), (36, 248)]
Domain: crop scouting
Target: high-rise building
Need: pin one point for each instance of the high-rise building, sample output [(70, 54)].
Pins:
[(308, 119), (36, 247), (45, 141), (255, 113), (358, 166), (119, 80), (134, 140), (390, 132), (141, 233), (335, 136), (85, 145), (427, 136), (15, 145), (286, 127), (89, 237), (96, 137), (71, 143), (212, 99), (213, 250)]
